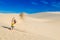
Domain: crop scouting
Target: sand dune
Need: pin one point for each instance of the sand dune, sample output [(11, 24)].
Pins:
[(44, 26)]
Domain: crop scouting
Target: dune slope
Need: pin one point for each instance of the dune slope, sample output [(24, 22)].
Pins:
[(33, 27)]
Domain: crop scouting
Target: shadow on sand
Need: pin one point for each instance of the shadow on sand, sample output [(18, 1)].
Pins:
[(14, 29), (6, 27)]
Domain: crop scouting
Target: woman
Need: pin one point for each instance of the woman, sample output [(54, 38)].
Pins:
[(13, 22), (21, 15)]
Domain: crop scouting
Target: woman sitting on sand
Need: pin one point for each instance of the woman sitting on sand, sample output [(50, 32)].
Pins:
[(21, 15)]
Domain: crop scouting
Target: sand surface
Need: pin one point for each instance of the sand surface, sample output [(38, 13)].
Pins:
[(44, 26)]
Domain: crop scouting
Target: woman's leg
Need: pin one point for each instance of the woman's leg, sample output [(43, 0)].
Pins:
[(12, 26)]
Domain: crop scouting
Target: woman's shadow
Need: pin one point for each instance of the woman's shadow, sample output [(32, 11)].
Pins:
[(9, 28), (6, 27)]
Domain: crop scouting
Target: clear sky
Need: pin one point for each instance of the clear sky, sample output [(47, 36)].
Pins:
[(29, 6)]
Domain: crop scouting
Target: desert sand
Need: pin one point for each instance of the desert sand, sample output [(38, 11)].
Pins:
[(40, 26)]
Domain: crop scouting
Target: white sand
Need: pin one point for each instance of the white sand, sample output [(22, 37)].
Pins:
[(43, 26)]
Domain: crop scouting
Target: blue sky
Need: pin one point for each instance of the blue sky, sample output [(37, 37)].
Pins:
[(29, 6)]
